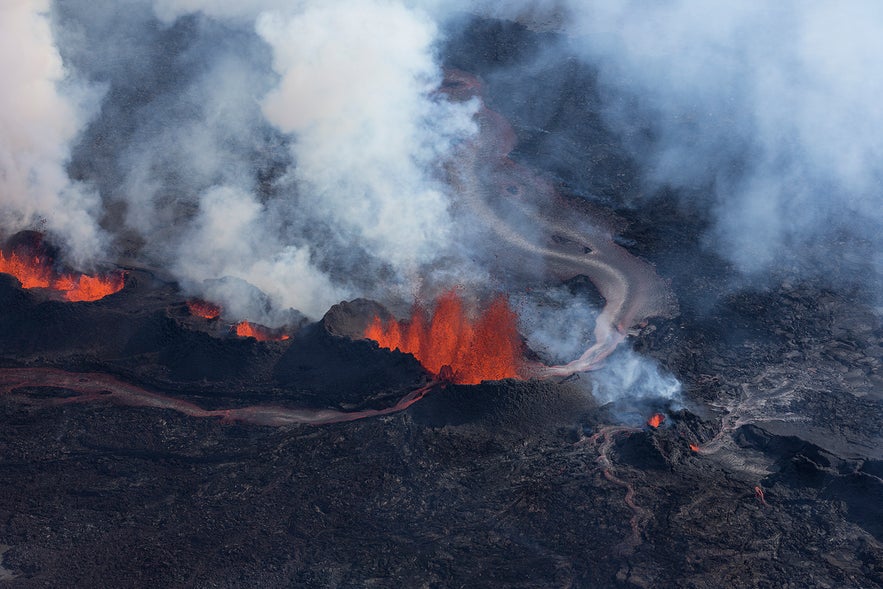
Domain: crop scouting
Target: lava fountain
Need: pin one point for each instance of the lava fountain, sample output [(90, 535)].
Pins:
[(486, 347), (36, 272)]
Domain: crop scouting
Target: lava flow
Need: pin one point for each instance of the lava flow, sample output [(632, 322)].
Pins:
[(204, 309), (258, 332), (485, 348), (95, 386), (656, 420), (34, 272)]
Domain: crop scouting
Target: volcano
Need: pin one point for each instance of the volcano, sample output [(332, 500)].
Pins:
[(591, 396)]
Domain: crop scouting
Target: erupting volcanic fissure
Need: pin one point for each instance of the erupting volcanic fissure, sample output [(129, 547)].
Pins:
[(35, 272), (258, 332), (484, 348), (656, 420)]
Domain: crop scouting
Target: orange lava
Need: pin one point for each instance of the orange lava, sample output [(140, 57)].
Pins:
[(694, 447), (656, 420), (484, 348), (258, 332), (204, 309), (34, 272)]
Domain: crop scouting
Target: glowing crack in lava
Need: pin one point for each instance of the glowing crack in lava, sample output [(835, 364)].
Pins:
[(258, 332), (485, 348), (204, 309), (34, 272)]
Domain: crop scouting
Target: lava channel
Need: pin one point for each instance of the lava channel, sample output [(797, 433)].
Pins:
[(97, 387)]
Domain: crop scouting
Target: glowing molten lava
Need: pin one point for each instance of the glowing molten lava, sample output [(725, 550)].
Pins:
[(485, 348), (694, 447), (204, 309), (34, 272), (656, 420), (258, 332)]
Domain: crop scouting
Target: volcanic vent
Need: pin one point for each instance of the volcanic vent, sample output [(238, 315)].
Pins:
[(27, 258), (487, 347)]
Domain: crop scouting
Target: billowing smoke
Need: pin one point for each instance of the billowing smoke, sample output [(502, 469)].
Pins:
[(356, 87), (296, 147), (41, 112)]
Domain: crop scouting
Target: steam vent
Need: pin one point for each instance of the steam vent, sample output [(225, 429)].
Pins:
[(405, 293)]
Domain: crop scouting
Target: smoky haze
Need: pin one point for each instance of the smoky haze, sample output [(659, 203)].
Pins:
[(764, 115), (278, 155), (762, 119)]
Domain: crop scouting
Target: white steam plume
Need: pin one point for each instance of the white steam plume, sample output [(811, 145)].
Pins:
[(557, 324), (356, 87), (236, 227), (170, 10), (297, 146), (355, 95), (627, 375), (37, 123), (323, 114)]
